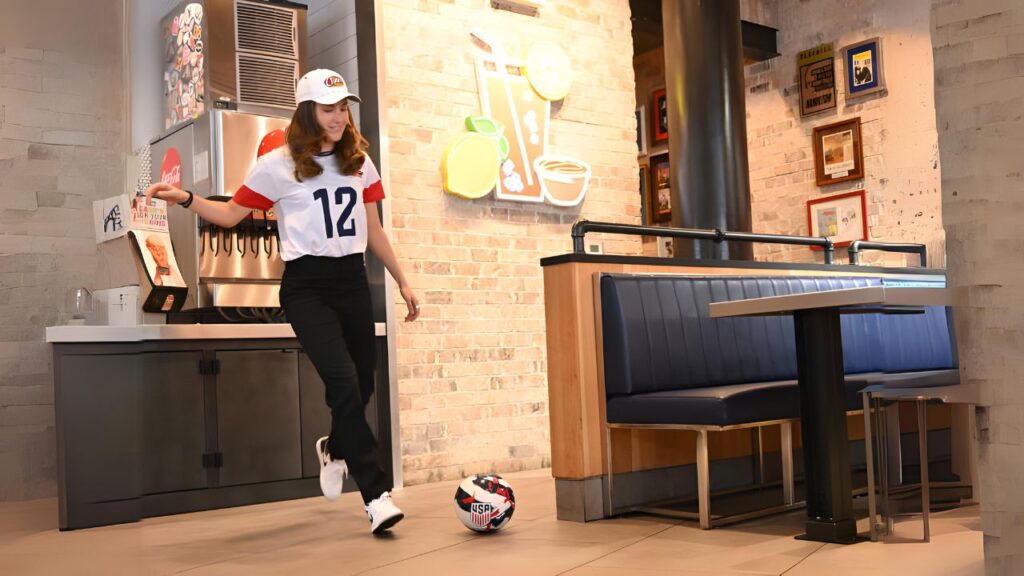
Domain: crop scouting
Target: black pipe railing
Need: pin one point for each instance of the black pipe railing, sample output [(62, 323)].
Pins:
[(858, 245), (581, 227)]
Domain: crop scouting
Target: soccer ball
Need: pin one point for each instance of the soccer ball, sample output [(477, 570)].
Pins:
[(484, 503)]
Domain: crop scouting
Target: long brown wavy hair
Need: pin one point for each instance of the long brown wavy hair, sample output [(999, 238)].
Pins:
[(305, 137)]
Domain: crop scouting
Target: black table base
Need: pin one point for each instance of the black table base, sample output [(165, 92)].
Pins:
[(844, 532), (819, 352)]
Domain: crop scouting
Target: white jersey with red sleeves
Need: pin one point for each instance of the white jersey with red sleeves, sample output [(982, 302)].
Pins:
[(320, 216)]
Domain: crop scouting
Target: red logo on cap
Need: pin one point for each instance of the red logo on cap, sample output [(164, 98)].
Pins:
[(170, 168), (333, 81)]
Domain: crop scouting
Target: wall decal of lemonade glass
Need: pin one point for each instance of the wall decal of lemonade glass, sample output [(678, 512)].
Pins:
[(516, 98)]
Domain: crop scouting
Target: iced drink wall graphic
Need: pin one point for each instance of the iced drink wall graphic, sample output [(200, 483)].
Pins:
[(507, 97), (506, 149)]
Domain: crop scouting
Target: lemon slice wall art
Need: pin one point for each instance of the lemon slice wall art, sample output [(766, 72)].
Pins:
[(548, 70), (470, 166)]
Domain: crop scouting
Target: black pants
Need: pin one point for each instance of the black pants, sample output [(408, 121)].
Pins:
[(327, 302)]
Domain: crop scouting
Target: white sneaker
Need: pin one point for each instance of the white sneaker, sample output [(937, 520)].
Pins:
[(332, 472), (383, 513)]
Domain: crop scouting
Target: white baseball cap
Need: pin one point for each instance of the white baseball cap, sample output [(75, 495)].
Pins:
[(323, 87)]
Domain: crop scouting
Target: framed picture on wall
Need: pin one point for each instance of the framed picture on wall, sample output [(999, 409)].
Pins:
[(660, 199), (644, 201), (864, 74), (641, 130), (817, 80), (659, 115), (838, 152), (842, 218)]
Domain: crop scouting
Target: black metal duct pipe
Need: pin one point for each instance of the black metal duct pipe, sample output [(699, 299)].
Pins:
[(707, 123)]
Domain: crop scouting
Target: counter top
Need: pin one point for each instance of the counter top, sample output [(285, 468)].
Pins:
[(69, 334)]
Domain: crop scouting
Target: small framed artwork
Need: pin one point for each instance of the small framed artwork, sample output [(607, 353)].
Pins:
[(660, 115), (864, 73), (641, 130), (817, 80), (838, 153), (644, 185), (842, 218), (660, 203)]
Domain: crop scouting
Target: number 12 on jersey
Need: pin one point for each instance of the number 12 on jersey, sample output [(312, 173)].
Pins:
[(342, 196)]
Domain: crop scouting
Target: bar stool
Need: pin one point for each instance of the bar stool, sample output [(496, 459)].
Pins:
[(915, 389)]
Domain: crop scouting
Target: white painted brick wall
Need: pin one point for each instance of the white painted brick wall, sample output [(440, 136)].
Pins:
[(61, 144), (979, 96), (902, 172)]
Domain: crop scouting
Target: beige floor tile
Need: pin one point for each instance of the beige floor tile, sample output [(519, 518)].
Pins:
[(955, 554), (590, 570), (495, 555), (312, 537), (671, 550), (611, 531), (344, 551)]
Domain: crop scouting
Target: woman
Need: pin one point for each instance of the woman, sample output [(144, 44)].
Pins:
[(324, 189)]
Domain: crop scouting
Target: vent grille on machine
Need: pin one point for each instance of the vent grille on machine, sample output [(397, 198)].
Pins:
[(267, 29), (265, 80)]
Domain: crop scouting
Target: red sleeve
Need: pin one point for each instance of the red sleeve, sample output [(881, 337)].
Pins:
[(247, 198), (373, 192)]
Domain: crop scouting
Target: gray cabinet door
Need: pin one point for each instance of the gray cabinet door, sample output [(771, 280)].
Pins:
[(173, 422), (258, 428), (98, 439)]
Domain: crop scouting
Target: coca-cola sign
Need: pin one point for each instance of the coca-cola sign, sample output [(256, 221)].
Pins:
[(170, 168)]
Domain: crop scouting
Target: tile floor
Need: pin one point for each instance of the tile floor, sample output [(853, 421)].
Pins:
[(311, 537)]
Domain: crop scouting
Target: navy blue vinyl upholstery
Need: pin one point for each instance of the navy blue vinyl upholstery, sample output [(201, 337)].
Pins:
[(916, 342), (667, 362)]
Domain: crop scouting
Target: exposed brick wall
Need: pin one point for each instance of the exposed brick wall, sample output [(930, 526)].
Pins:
[(472, 370), (900, 144), (979, 96), (901, 155), (61, 147)]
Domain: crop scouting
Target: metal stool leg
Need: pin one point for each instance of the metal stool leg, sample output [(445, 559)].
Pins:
[(922, 443), (786, 446), (881, 420), (894, 449), (757, 455), (703, 481), (869, 457)]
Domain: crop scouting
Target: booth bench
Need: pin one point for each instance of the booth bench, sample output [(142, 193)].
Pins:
[(668, 365)]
